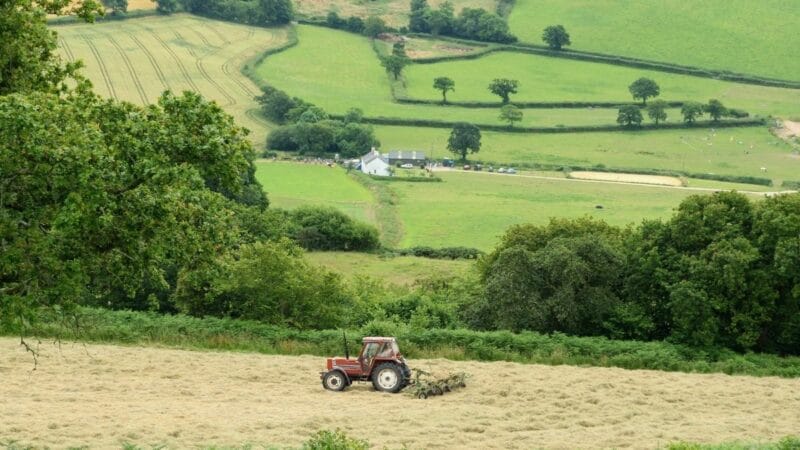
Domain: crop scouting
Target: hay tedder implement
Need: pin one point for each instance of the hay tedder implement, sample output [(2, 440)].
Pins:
[(381, 363)]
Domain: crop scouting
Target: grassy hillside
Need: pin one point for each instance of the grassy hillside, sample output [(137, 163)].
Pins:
[(289, 185), (338, 70), (137, 59), (738, 35), (724, 151), (555, 79)]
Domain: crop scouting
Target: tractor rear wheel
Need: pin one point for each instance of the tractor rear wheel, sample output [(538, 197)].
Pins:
[(334, 381), (388, 377)]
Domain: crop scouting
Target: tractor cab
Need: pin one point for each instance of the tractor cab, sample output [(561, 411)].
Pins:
[(379, 361)]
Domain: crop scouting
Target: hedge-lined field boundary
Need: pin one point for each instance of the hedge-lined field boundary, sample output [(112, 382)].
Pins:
[(429, 123), (147, 328), (528, 105), (67, 20), (606, 59)]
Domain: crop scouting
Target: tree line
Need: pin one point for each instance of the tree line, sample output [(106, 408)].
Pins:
[(721, 272), (471, 23)]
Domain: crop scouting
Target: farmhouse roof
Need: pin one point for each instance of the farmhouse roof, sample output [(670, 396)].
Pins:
[(402, 154), (371, 156)]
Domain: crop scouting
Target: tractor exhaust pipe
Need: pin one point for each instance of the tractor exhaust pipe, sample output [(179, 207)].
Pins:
[(346, 351)]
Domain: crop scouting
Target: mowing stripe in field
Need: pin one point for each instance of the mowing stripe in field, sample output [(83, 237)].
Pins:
[(137, 59)]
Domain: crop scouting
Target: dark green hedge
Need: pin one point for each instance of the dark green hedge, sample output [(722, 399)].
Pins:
[(565, 129), (65, 20), (440, 253), (791, 184), (528, 105)]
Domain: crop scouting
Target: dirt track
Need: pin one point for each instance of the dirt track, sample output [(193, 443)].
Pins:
[(102, 396), (627, 178)]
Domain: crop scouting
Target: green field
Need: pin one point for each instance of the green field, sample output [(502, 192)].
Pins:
[(289, 185), (477, 207), (400, 270), (549, 79), (754, 37), (137, 59), (697, 150), (313, 71), (466, 209)]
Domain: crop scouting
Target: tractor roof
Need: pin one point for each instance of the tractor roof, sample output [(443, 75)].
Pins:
[(377, 339)]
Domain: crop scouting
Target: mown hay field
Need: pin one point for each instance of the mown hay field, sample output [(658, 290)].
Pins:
[(727, 151), (737, 35), (137, 59), (102, 396)]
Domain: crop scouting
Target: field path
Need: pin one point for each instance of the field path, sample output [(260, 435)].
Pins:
[(577, 180), (101, 396)]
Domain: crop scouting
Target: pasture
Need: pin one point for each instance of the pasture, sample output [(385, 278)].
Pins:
[(105, 396), (289, 185), (137, 59), (313, 71), (737, 35), (728, 151), (547, 79), (478, 207), (399, 270)]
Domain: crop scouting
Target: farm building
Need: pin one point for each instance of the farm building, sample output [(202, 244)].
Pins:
[(406, 157), (374, 164)]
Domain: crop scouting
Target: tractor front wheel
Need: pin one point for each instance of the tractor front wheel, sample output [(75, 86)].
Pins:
[(388, 377), (334, 381)]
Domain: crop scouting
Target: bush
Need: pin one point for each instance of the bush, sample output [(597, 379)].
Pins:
[(441, 253), (334, 440), (327, 228), (261, 12), (790, 184)]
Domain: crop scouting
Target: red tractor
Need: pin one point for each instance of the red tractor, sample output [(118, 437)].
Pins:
[(380, 361)]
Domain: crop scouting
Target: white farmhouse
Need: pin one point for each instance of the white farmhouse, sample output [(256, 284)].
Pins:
[(374, 164)]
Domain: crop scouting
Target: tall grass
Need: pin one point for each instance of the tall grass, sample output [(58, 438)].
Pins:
[(143, 328)]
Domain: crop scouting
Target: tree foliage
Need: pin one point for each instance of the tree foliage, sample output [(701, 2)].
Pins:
[(503, 87), (691, 111), (556, 37), (260, 12), (715, 109), (629, 116), (28, 58), (644, 88), (657, 111), (444, 84), (394, 64), (465, 137), (510, 114)]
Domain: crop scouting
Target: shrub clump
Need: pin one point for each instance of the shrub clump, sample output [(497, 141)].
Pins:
[(327, 228)]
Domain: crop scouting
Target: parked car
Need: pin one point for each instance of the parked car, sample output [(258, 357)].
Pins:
[(448, 163), (478, 167), (511, 171), (490, 169), (467, 167), (407, 166), (501, 170)]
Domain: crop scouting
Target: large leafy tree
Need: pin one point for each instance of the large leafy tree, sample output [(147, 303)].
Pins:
[(691, 111), (465, 137), (644, 88), (556, 37), (629, 116), (657, 111), (444, 84), (503, 87), (715, 109), (394, 64), (510, 114)]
